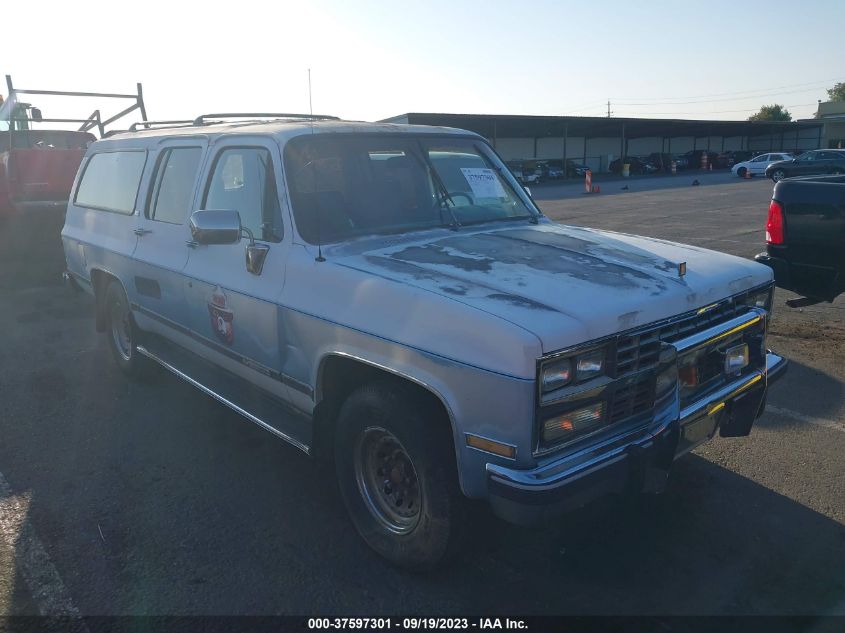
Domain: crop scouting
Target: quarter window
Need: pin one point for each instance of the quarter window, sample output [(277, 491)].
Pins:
[(111, 180), (243, 180), (174, 186)]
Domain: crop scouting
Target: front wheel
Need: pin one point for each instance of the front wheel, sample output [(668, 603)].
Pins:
[(396, 471), (778, 175), (741, 172)]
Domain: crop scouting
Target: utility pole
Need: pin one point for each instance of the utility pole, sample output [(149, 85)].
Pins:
[(608, 108)]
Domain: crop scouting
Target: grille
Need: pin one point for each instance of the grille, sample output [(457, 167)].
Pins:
[(632, 399), (641, 350)]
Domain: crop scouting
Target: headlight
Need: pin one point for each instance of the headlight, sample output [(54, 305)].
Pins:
[(556, 375), (589, 365), (571, 370)]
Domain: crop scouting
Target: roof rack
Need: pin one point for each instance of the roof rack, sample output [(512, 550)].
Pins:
[(94, 120), (201, 119), (150, 124)]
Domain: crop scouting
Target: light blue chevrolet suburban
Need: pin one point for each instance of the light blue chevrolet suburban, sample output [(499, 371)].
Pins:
[(390, 297)]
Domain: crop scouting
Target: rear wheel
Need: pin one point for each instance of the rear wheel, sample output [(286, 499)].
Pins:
[(397, 475), (778, 175), (123, 333)]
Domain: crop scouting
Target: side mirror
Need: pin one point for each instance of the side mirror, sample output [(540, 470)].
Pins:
[(36, 115), (215, 227), (794, 160)]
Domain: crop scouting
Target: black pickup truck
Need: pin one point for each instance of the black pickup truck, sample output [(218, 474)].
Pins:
[(805, 237)]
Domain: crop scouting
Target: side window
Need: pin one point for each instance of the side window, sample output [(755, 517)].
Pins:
[(808, 156), (110, 181), (243, 180), (174, 184), (760, 159)]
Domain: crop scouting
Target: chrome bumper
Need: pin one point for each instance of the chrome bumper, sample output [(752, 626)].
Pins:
[(636, 460)]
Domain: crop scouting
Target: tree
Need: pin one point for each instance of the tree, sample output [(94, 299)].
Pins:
[(837, 93), (774, 112)]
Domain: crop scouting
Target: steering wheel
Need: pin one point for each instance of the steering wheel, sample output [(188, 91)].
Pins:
[(446, 196)]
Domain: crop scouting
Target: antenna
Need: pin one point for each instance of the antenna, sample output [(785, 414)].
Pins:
[(320, 257)]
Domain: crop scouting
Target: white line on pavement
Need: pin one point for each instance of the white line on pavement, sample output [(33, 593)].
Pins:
[(43, 581), (809, 419)]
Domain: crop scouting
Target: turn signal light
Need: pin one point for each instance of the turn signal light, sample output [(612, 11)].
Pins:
[(490, 446), (774, 223)]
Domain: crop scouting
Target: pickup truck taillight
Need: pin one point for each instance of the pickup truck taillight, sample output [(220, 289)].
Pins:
[(774, 223)]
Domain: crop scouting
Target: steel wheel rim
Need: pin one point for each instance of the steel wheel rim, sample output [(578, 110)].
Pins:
[(121, 330), (387, 480)]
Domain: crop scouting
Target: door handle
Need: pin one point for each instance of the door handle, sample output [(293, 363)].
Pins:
[(191, 243), (141, 231)]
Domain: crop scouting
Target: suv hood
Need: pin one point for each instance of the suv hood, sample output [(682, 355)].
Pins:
[(567, 285)]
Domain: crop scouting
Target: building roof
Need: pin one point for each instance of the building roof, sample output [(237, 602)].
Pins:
[(510, 126)]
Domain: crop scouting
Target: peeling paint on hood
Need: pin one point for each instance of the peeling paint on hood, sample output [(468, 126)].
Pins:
[(565, 284)]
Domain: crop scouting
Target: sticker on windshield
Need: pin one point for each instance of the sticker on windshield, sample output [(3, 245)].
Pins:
[(484, 182)]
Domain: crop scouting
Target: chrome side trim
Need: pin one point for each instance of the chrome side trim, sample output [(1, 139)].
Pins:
[(318, 391), (303, 447)]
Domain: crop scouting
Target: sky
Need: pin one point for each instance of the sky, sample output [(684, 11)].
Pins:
[(373, 60)]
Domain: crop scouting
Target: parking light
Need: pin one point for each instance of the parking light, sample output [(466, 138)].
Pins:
[(573, 423)]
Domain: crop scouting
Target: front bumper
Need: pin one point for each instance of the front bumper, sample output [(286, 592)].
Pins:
[(633, 462)]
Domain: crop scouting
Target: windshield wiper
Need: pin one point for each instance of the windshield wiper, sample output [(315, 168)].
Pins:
[(443, 195), (511, 218)]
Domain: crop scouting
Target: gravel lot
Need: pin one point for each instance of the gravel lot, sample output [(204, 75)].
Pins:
[(150, 498)]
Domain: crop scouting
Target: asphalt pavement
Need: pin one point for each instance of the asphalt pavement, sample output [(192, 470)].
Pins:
[(121, 497)]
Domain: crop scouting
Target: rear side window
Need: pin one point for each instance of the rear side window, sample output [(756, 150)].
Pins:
[(110, 181), (244, 181), (174, 184)]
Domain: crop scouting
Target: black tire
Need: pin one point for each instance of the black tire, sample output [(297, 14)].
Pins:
[(393, 450), (122, 333), (778, 175), (741, 172)]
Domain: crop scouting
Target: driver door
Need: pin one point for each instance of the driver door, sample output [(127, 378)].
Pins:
[(235, 313)]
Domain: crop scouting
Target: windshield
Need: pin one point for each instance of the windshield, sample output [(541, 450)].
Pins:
[(342, 186)]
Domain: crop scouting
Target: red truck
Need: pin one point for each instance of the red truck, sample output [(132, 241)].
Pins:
[(38, 166)]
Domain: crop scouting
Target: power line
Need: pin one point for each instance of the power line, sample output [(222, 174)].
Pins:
[(794, 105), (745, 98), (739, 92)]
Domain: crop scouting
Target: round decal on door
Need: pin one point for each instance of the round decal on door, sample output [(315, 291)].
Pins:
[(221, 316)]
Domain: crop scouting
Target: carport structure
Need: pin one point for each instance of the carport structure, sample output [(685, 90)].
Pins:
[(596, 141)]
